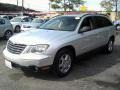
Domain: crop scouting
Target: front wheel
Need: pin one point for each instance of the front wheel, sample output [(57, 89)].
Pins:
[(63, 63)]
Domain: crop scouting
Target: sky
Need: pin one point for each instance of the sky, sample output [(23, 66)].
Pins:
[(43, 5)]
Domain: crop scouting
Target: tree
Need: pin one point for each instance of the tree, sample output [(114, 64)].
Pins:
[(65, 4), (109, 5)]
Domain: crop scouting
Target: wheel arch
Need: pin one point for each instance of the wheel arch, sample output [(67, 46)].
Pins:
[(68, 47)]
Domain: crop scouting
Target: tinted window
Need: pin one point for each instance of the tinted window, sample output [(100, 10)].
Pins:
[(87, 23), (100, 22), (2, 21), (5, 17), (25, 20), (10, 17)]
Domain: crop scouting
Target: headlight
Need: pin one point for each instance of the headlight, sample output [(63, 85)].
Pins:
[(38, 49)]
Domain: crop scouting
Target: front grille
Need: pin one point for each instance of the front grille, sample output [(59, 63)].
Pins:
[(15, 48)]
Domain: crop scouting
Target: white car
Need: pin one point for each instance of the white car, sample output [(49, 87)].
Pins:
[(59, 41), (8, 17), (18, 21), (35, 24), (6, 29)]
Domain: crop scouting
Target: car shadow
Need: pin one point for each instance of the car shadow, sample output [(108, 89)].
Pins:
[(2, 41), (87, 65)]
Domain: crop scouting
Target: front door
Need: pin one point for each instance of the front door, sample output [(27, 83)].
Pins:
[(86, 38)]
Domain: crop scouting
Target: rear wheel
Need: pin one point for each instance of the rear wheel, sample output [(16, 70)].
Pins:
[(8, 34), (110, 46), (63, 63)]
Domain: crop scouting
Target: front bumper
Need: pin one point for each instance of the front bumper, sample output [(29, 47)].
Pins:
[(28, 60)]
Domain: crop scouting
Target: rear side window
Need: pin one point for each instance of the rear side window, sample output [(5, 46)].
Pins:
[(100, 22), (2, 21)]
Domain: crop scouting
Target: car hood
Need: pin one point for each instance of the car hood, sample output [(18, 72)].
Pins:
[(40, 36), (14, 22)]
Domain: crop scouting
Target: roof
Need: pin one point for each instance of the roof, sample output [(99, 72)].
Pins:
[(80, 15), (83, 14)]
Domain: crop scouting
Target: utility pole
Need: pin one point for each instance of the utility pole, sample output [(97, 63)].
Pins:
[(49, 8), (64, 6), (22, 11), (17, 2), (116, 9), (49, 5)]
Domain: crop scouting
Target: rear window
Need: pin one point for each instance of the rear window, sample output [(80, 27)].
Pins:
[(100, 22)]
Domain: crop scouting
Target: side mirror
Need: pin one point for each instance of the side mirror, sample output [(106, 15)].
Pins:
[(85, 28)]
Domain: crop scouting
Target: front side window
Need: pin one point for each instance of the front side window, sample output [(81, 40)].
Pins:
[(61, 23), (10, 17), (25, 20), (86, 25)]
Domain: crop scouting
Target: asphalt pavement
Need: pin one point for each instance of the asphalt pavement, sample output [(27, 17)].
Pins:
[(93, 71)]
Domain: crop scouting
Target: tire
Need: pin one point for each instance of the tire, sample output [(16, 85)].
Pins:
[(63, 63), (110, 46), (8, 34), (17, 29)]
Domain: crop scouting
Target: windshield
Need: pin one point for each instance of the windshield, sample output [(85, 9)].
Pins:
[(61, 23), (16, 20), (37, 20)]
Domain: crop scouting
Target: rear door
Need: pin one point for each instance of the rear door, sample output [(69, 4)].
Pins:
[(101, 26)]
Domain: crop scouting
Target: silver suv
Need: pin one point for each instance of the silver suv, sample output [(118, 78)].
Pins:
[(59, 41), (6, 29)]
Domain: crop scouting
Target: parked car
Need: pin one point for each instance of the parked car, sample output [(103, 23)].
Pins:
[(6, 29), (18, 21), (117, 24), (35, 24), (8, 17), (59, 41)]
